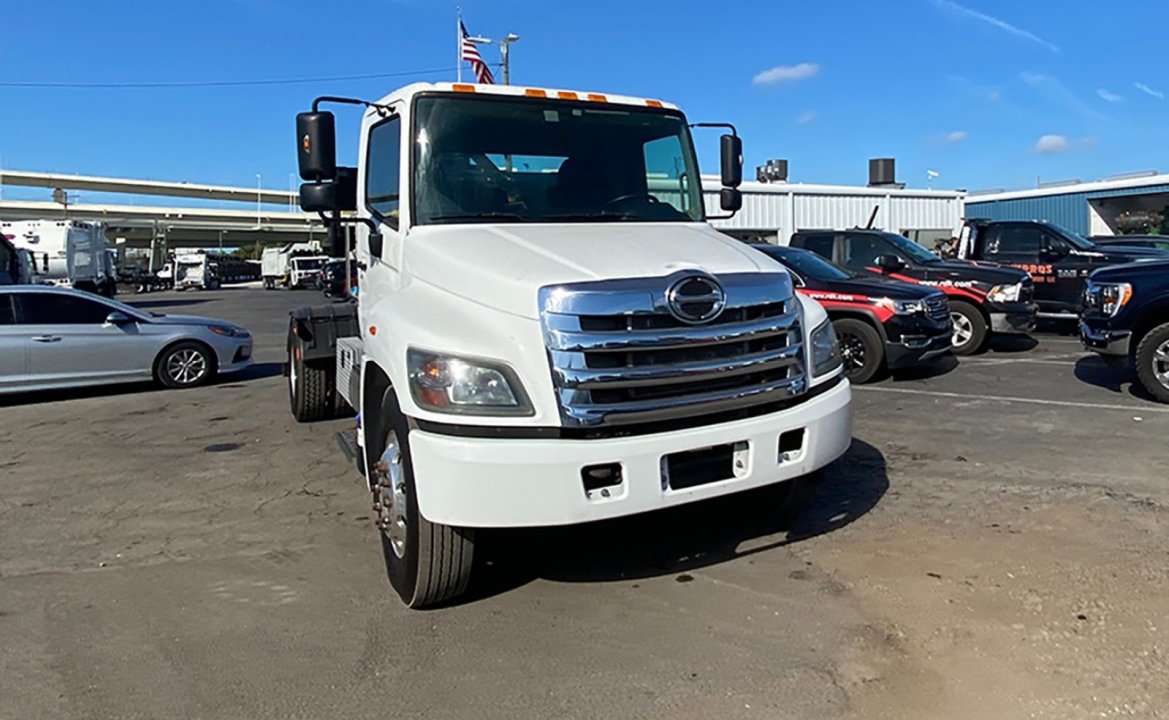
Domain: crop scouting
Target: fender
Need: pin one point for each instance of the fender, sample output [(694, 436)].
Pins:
[(857, 313)]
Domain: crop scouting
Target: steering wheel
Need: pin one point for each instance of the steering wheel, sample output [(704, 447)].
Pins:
[(651, 199)]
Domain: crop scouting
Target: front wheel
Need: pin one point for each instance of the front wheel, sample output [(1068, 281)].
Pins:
[(1152, 362), (969, 328), (427, 563), (860, 349), (185, 365)]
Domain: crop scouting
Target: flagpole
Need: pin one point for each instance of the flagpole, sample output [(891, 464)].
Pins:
[(459, 43)]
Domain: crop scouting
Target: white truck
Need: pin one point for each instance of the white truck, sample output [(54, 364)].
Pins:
[(194, 270), (15, 266), (542, 338), (64, 252), (292, 266)]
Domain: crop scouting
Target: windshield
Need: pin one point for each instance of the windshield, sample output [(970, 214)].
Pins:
[(916, 252), (308, 263), (480, 159), (1077, 240), (811, 265)]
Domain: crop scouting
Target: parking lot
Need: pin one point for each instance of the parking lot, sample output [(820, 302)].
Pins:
[(994, 545)]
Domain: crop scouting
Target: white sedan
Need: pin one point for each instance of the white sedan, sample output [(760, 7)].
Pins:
[(58, 338)]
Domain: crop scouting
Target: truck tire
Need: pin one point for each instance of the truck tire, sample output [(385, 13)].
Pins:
[(1152, 362), (426, 563), (310, 385), (860, 348), (969, 328)]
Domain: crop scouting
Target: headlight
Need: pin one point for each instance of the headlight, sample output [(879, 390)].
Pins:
[(228, 331), (825, 349), (903, 307), (451, 384), (1109, 298), (1005, 293)]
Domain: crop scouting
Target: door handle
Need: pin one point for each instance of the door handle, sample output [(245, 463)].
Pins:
[(46, 338), (362, 266)]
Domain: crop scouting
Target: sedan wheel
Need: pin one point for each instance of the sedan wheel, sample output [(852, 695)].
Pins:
[(185, 365)]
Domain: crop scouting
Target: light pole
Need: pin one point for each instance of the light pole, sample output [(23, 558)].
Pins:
[(504, 44), (259, 196)]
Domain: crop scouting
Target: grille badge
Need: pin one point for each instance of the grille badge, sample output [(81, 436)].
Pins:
[(696, 299)]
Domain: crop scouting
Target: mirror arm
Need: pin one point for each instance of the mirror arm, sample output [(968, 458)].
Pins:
[(383, 110), (327, 220), (728, 126)]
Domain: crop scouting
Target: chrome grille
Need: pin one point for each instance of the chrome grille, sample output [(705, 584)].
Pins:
[(619, 356), (937, 308)]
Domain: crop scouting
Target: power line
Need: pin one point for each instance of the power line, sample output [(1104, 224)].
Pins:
[(219, 83)]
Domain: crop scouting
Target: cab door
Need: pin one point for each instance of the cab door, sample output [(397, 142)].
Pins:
[(1067, 272), (1020, 245)]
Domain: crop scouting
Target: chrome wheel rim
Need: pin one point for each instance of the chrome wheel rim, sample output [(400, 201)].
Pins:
[(186, 366), (1161, 364), (963, 329), (852, 353), (390, 495), (292, 374)]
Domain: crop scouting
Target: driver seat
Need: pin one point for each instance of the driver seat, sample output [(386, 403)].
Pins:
[(582, 185)]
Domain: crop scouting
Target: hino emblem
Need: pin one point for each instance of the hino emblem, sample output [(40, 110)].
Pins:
[(696, 299)]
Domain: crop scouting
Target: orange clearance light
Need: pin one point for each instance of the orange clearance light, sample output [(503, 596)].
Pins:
[(373, 329), (654, 103), (535, 92), (597, 98), (463, 87), (306, 143), (565, 95)]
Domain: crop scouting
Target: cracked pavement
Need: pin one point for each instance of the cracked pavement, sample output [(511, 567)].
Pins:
[(198, 554)]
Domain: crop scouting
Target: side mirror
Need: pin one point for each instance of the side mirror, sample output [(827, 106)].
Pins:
[(118, 318), (340, 195), (730, 199), (731, 155), (316, 145), (890, 263)]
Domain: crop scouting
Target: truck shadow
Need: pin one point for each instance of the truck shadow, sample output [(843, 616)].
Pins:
[(673, 541), (1013, 343), (942, 366), (1119, 378), (257, 371)]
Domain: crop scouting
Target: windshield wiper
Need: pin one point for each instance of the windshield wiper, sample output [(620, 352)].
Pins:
[(611, 216), (481, 216)]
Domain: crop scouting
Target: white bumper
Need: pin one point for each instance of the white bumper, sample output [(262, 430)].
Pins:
[(480, 482)]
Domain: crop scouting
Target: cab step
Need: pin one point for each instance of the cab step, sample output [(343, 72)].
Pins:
[(347, 441)]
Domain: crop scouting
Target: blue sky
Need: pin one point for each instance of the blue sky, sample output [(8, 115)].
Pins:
[(988, 93)]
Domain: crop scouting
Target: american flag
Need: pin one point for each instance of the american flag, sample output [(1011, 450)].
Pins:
[(471, 55)]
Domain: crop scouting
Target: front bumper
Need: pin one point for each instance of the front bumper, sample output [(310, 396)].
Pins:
[(1104, 340), (1012, 317), (917, 349), (234, 355), (488, 482)]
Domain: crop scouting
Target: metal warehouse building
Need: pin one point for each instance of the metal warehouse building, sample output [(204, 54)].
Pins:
[(1087, 208), (773, 211)]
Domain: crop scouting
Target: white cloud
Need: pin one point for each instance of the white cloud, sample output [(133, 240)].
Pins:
[(1051, 144), (806, 117), (1149, 91), (1109, 96), (1003, 25), (956, 136), (786, 73)]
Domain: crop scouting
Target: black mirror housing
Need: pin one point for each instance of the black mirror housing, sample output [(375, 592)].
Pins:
[(730, 199), (731, 155), (316, 146), (340, 195), (890, 263)]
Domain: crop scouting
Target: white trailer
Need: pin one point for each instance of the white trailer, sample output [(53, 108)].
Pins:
[(292, 266), (64, 252), (194, 270)]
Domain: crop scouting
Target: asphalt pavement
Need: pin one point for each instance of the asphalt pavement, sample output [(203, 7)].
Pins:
[(199, 554)]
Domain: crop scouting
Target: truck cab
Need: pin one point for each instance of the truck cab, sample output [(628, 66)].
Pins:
[(983, 298), (1059, 260), (549, 332)]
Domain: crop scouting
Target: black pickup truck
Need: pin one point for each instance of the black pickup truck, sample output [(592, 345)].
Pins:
[(1126, 319), (1058, 259), (879, 322), (983, 297)]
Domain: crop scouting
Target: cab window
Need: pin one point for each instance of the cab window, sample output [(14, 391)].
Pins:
[(1019, 240), (821, 244), (54, 309), (862, 251), (383, 166)]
